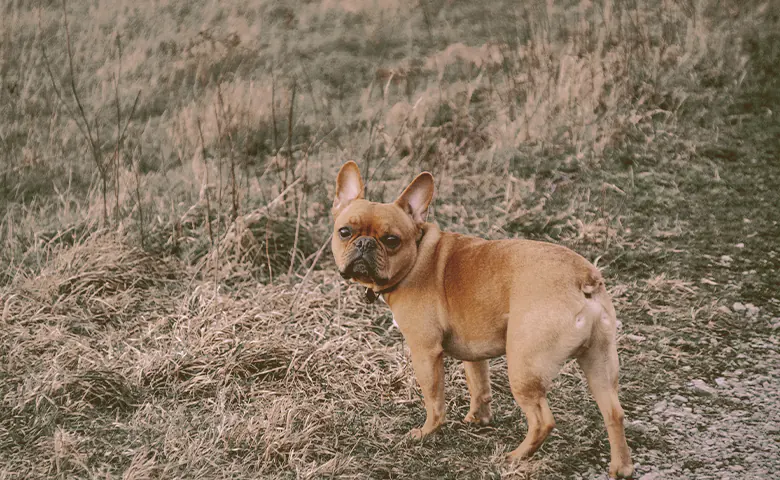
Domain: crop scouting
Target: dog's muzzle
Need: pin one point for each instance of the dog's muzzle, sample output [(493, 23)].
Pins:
[(361, 264), (360, 268)]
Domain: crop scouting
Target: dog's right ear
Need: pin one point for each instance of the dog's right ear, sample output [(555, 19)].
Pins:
[(349, 186)]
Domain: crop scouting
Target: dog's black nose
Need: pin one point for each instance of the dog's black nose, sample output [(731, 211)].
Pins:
[(365, 244)]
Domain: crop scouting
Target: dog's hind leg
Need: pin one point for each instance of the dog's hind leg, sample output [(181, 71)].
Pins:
[(478, 380), (530, 395), (600, 364), (531, 367)]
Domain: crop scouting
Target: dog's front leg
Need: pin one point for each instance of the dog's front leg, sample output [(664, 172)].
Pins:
[(429, 370)]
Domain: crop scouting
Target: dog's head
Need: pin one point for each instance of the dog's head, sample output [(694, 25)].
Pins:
[(376, 243)]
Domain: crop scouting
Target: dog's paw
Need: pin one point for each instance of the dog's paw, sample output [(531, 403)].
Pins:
[(621, 471), (420, 433), (520, 453), (477, 418)]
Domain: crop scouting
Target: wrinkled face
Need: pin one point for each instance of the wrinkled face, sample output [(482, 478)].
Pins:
[(374, 243)]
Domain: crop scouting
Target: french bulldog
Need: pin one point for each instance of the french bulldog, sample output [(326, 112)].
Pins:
[(538, 303)]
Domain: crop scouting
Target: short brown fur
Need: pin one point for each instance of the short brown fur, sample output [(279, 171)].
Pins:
[(473, 299)]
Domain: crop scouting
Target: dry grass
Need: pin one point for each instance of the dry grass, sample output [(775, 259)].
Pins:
[(189, 340)]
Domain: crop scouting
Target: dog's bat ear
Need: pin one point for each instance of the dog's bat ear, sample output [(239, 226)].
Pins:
[(417, 197), (349, 186)]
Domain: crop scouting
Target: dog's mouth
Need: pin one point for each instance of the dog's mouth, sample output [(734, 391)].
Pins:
[(361, 268), (363, 271)]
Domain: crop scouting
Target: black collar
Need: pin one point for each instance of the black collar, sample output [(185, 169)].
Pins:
[(371, 295)]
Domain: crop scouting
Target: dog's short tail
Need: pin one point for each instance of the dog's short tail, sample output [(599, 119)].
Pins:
[(593, 283), (596, 289)]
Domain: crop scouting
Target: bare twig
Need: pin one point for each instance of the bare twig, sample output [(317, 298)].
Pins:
[(257, 214), (93, 140), (267, 256), (427, 20), (90, 130), (273, 111), (294, 303), (117, 79), (208, 196), (73, 84), (233, 183), (300, 209), (290, 128), (54, 85), (137, 174), (219, 167), (289, 151), (297, 230)]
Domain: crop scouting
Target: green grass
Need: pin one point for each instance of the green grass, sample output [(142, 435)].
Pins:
[(174, 340)]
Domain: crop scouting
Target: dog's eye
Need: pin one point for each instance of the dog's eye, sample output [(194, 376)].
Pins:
[(391, 241), (345, 232)]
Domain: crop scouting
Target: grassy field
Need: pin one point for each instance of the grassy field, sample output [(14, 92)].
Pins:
[(168, 304)]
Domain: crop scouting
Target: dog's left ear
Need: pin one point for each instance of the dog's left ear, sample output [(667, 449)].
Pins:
[(417, 197), (349, 186)]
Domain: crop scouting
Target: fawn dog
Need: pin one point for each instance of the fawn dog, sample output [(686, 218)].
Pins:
[(473, 299)]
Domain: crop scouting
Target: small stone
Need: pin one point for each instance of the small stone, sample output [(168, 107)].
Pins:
[(700, 387), (726, 259), (660, 406), (741, 393), (651, 476), (721, 382), (752, 310), (740, 245), (679, 399), (638, 427), (635, 338), (738, 307)]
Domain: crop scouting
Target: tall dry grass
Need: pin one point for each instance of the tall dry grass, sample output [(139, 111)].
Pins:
[(441, 86)]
